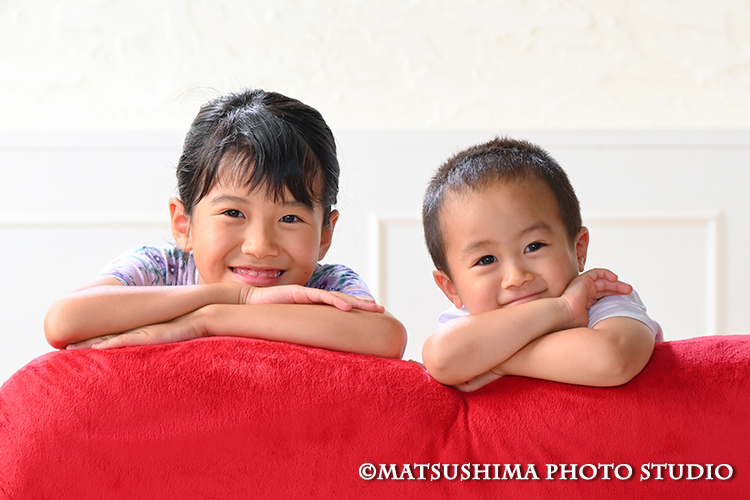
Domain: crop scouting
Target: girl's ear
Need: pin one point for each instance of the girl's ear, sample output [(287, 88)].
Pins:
[(326, 235), (582, 247), (180, 224), (446, 285)]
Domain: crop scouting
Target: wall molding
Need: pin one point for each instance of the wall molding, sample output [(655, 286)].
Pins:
[(76, 221), (711, 220)]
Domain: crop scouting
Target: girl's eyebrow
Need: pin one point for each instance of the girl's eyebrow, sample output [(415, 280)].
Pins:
[(224, 198), (228, 198)]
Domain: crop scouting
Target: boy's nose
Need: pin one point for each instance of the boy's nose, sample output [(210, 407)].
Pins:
[(260, 243), (516, 276)]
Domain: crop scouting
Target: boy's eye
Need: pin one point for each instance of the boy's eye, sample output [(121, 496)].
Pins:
[(535, 246), (233, 213), (486, 260), (290, 219)]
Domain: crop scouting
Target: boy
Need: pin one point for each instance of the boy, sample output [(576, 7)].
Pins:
[(503, 226)]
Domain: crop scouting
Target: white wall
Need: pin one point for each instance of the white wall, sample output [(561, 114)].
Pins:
[(667, 211), (390, 64), (92, 89)]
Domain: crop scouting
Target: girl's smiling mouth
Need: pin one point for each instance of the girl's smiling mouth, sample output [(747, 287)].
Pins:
[(257, 276)]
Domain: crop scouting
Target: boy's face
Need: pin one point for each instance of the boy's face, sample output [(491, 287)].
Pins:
[(506, 245), (245, 236)]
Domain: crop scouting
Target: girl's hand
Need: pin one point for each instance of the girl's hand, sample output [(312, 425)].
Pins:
[(589, 287), (91, 342), (184, 328), (296, 294)]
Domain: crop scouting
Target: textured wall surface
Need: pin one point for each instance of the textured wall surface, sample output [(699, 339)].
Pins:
[(390, 64)]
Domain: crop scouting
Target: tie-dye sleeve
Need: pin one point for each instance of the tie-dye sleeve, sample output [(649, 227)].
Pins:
[(339, 278)]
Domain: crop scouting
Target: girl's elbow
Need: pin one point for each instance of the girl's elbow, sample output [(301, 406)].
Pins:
[(55, 328), (396, 340)]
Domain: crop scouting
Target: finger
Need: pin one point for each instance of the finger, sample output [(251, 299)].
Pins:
[(362, 303), (601, 273), (465, 387), (124, 340), (89, 343), (421, 365)]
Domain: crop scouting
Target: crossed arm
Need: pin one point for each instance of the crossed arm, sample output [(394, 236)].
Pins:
[(547, 338), (107, 314)]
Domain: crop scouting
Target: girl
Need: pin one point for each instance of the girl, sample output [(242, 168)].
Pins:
[(257, 181)]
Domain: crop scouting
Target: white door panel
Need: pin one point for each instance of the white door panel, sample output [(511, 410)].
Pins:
[(668, 211)]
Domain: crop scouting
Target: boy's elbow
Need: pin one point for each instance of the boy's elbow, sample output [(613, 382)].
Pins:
[(624, 360), (439, 362)]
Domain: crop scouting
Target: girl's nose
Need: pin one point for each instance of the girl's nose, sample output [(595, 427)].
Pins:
[(260, 243)]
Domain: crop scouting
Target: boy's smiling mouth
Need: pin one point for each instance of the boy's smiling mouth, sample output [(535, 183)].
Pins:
[(523, 299)]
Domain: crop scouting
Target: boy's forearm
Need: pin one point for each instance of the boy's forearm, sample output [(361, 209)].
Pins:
[(472, 345), (315, 325), (103, 310), (585, 356)]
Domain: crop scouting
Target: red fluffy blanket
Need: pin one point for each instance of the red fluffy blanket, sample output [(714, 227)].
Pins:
[(238, 418)]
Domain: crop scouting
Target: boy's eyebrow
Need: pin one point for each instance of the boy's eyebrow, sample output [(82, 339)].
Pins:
[(539, 226), (475, 245)]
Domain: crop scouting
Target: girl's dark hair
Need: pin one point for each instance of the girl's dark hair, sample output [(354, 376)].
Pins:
[(499, 160), (272, 140)]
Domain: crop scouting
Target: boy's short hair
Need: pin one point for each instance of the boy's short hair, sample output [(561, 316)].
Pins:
[(499, 160), (273, 140)]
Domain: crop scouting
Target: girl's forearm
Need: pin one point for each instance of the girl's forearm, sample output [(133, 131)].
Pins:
[(102, 310), (315, 325), (472, 345)]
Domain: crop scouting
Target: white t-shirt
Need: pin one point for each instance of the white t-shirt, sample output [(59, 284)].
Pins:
[(613, 306)]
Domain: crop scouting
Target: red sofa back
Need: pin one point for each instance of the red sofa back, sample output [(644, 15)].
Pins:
[(239, 418)]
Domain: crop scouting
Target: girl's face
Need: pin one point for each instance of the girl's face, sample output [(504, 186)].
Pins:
[(244, 236)]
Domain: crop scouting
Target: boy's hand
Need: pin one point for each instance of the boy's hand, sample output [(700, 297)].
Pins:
[(296, 294), (589, 287), (479, 381)]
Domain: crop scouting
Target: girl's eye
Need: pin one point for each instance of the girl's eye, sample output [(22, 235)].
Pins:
[(290, 219), (486, 260), (535, 246), (233, 213)]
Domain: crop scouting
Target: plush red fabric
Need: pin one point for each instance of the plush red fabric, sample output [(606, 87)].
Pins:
[(238, 418)]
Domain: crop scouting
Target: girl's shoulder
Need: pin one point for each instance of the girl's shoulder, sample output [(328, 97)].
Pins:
[(338, 278), (153, 266)]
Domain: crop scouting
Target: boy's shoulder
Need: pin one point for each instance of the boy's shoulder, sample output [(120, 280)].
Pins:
[(628, 306)]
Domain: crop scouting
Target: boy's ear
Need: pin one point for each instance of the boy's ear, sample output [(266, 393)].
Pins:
[(446, 285), (326, 236), (582, 247), (180, 224)]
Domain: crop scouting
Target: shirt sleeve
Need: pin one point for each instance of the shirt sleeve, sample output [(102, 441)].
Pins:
[(339, 278), (451, 314), (624, 306), (152, 266)]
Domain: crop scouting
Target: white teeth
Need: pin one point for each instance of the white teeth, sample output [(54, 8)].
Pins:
[(265, 274)]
